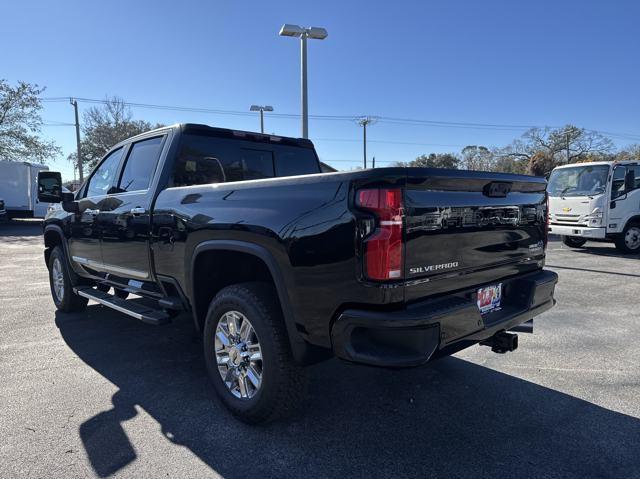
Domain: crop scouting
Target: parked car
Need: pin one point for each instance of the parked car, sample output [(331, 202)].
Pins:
[(596, 201), (18, 188), (282, 266)]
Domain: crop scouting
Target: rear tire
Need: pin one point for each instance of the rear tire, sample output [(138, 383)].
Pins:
[(628, 242), (573, 242), (245, 340), (62, 285)]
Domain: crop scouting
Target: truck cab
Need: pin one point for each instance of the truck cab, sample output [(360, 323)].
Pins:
[(596, 201)]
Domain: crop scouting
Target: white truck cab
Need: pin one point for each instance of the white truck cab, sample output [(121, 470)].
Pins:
[(596, 201)]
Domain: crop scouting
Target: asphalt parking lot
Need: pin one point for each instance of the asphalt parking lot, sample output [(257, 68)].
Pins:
[(100, 394)]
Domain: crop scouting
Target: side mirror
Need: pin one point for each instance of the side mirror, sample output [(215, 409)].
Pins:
[(49, 187), (629, 180)]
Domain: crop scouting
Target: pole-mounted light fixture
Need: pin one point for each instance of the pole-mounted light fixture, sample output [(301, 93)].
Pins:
[(261, 109), (316, 33)]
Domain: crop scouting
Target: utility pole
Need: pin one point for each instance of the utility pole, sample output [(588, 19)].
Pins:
[(363, 122), (567, 136), (303, 85), (374, 162), (74, 103)]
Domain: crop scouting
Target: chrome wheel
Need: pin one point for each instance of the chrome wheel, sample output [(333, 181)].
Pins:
[(238, 355), (57, 279), (632, 238)]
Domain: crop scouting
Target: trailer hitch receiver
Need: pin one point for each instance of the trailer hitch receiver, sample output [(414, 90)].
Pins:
[(502, 342)]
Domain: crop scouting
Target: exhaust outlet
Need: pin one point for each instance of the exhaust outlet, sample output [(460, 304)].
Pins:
[(524, 327), (501, 342)]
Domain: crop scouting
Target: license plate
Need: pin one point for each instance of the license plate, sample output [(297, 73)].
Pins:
[(489, 298)]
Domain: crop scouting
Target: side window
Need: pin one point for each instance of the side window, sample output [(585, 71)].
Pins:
[(141, 164), (103, 178), (636, 170), (617, 185)]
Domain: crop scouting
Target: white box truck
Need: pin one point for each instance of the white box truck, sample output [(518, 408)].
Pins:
[(19, 189), (596, 201)]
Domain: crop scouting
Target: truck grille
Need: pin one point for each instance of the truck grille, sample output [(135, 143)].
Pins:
[(568, 219)]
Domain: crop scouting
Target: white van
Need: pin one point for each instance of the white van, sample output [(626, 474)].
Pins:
[(19, 189), (596, 201)]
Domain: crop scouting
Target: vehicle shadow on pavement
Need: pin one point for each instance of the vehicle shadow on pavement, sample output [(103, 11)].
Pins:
[(20, 229), (604, 251), (451, 419)]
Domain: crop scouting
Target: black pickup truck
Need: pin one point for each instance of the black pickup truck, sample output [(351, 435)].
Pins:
[(281, 265)]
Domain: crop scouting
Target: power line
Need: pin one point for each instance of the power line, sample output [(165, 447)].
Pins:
[(382, 119), (392, 142)]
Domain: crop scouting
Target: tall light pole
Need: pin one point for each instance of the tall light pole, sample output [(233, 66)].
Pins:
[(316, 33), (74, 103), (261, 109), (363, 122)]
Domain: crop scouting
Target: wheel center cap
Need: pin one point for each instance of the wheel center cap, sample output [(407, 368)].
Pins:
[(234, 356)]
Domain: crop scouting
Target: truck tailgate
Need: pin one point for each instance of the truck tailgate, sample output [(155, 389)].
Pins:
[(470, 228)]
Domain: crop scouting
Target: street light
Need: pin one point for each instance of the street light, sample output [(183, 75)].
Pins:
[(316, 33), (261, 109)]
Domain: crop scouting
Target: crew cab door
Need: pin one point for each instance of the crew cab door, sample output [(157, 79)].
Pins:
[(84, 240), (125, 218)]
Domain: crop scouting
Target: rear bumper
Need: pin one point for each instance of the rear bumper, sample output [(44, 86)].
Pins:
[(582, 231), (413, 335)]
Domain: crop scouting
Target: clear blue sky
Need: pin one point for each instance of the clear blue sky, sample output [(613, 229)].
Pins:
[(497, 62)]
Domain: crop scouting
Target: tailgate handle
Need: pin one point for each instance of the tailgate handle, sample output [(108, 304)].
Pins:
[(497, 189)]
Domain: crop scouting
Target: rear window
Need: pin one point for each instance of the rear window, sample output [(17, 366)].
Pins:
[(206, 159), (296, 161), (140, 165)]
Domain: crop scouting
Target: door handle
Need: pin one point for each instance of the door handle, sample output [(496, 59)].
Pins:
[(91, 212), (138, 211)]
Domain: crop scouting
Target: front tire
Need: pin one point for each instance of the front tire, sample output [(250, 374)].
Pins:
[(248, 355), (629, 241), (573, 242), (61, 284)]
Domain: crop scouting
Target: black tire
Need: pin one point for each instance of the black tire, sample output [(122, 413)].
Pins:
[(64, 299), (283, 382), (573, 242), (628, 242)]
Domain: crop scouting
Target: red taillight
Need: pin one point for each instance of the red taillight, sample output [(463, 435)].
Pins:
[(384, 247)]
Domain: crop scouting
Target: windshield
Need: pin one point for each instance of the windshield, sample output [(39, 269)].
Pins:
[(578, 181)]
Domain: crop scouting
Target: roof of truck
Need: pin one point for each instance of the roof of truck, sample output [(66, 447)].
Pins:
[(229, 133)]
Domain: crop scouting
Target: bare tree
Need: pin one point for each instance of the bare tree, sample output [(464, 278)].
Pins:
[(106, 126), (432, 160), (479, 158), (631, 152), (545, 148), (20, 124)]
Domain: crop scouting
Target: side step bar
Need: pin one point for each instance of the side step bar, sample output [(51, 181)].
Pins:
[(135, 310)]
